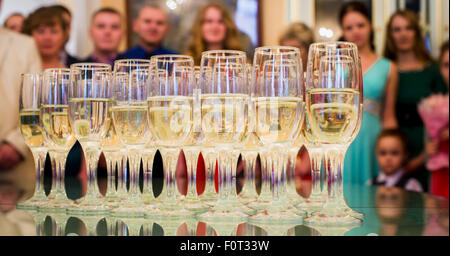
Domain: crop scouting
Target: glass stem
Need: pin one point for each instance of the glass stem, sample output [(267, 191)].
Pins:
[(92, 156), (210, 187), (39, 161), (170, 158), (316, 157), (290, 174), (224, 174), (58, 170), (110, 168), (249, 188), (334, 163), (147, 163), (135, 160), (191, 164), (266, 168), (122, 175)]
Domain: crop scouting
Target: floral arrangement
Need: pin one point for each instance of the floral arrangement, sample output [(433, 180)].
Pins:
[(434, 112)]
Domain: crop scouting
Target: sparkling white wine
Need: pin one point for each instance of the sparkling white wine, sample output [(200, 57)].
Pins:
[(55, 121), (224, 117), (31, 129), (111, 141), (131, 124), (88, 117), (278, 119), (170, 119), (333, 114)]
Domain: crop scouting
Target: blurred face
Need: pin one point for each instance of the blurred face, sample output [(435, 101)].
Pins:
[(297, 43), (15, 23), (403, 34), (356, 29), (151, 26), (49, 39), (106, 32), (444, 67), (214, 30), (390, 154)]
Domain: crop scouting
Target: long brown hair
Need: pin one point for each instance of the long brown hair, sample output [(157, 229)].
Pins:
[(197, 45), (43, 16), (390, 50)]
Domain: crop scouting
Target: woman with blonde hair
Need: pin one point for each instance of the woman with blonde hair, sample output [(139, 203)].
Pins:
[(298, 35), (213, 29), (419, 77)]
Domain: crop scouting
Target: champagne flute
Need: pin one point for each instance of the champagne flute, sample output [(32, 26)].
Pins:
[(89, 97), (111, 147), (31, 129), (192, 151), (278, 95), (334, 106), (224, 112), (170, 116), (58, 131), (129, 111)]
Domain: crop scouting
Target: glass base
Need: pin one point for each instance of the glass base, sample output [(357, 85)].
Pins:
[(149, 199), (89, 209), (282, 216), (195, 205), (247, 199), (209, 199), (54, 206), (332, 220), (227, 210), (128, 212), (333, 231), (168, 210), (224, 228), (311, 205), (32, 204), (276, 229), (263, 202)]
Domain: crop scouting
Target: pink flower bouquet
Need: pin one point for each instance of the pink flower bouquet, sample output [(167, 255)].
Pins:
[(434, 111)]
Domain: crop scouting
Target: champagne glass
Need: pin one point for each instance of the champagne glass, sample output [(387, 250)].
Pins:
[(54, 116), (89, 101), (277, 87), (112, 149), (209, 195), (192, 151), (224, 104), (32, 132), (170, 112), (250, 150), (129, 111), (334, 107)]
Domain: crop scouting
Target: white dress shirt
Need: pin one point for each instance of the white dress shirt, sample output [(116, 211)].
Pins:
[(391, 180)]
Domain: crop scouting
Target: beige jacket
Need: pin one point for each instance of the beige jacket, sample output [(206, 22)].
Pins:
[(18, 54)]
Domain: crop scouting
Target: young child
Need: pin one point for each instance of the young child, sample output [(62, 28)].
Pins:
[(392, 154)]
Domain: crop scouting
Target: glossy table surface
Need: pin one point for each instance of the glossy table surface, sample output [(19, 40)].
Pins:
[(388, 212)]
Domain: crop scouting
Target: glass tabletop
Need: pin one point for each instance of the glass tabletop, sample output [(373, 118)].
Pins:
[(388, 212)]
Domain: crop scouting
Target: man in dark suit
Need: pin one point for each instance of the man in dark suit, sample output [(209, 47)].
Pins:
[(106, 32), (151, 26)]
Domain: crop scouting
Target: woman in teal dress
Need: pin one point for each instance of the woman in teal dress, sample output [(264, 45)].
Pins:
[(419, 77), (380, 85)]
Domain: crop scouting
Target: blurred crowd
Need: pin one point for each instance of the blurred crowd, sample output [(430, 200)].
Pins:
[(393, 147)]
